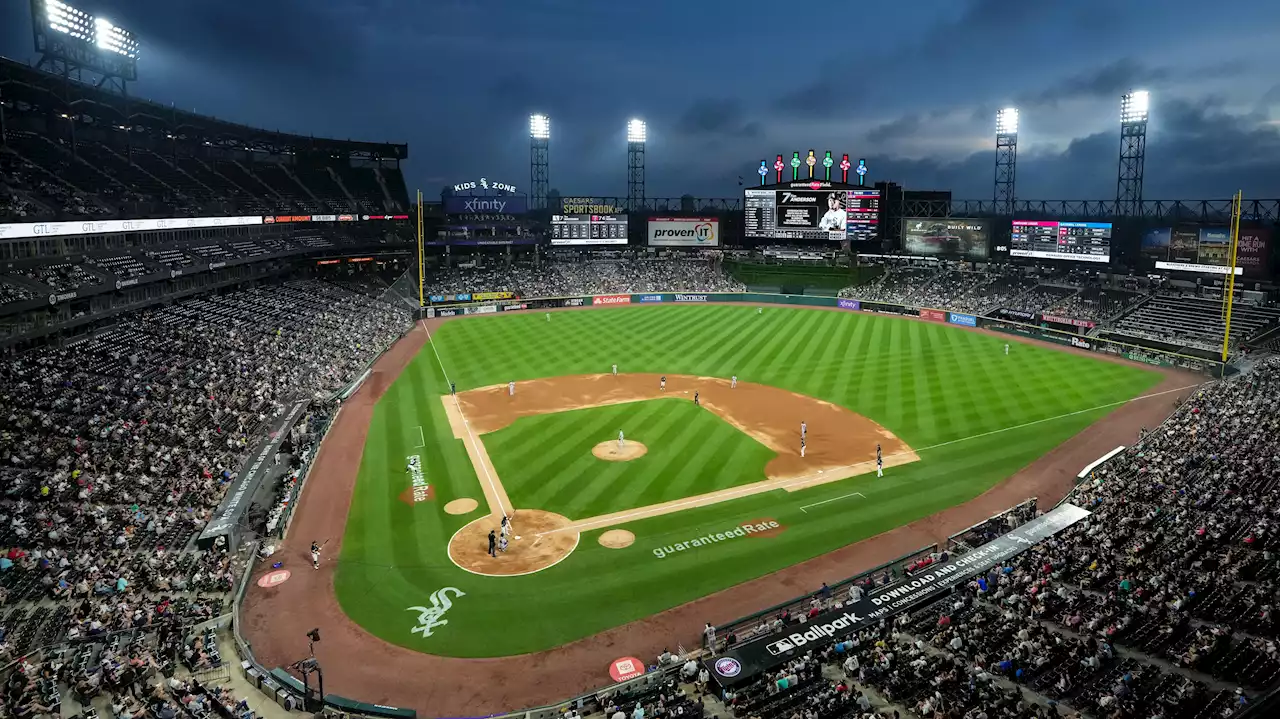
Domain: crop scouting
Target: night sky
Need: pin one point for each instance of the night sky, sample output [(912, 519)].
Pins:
[(913, 87)]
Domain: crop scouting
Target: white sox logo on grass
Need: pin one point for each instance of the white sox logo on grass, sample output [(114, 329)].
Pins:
[(431, 617)]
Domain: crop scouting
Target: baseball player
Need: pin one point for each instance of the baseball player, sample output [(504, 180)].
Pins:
[(696, 402), (1006, 349), (548, 316), (511, 389), (315, 555), (506, 526), (502, 543), (412, 461), (804, 429), (662, 384), (493, 543), (802, 447), (733, 382), (879, 461), (759, 310), (615, 370), (621, 440), (453, 388)]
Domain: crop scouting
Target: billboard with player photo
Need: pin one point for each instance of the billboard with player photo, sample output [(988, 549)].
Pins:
[(954, 237)]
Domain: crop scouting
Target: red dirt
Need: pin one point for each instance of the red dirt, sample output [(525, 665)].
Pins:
[(361, 666)]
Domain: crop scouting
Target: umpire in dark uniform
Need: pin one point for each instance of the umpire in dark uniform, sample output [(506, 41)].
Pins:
[(493, 543)]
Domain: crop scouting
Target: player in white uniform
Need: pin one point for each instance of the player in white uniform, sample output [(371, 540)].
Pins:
[(502, 543), (804, 429), (836, 217), (662, 384), (511, 389), (1006, 349), (615, 370), (879, 461), (733, 382), (548, 316), (315, 555), (621, 440), (759, 310), (506, 526), (802, 446)]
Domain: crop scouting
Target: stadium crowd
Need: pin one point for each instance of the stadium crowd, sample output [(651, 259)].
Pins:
[(564, 279)]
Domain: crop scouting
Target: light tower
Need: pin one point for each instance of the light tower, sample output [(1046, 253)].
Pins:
[(1006, 160), (1133, 151), (636, 135), (539, 139)]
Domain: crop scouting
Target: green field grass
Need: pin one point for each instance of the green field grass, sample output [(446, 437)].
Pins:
[(974, 415), (548, 457)]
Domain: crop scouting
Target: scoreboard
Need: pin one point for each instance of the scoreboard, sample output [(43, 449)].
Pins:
[(588, 229), (1052, 240), (811, 211)]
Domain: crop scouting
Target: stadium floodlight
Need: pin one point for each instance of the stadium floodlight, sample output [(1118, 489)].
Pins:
[(70, 39), (1007, 121), (636, 131), (539, 127), (1134, 106)]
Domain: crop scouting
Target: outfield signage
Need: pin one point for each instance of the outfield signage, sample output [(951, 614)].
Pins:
[(19, 230), (1017, 315), (648, 298), (848, 304), (515, 307), (576, 302), (935, 315), (482, 310), (691, 298), (1081, 343), (611, 300), (486, 296), (684, 232), (451, 312), (1068, 321), (762, 654), (449, 298), (957, 318)]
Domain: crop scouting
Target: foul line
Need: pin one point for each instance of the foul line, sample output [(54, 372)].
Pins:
[(844, 496), (475, 443), (422, 442), (755, 487)]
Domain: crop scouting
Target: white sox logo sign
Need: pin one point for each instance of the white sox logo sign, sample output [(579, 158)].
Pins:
[(430, 617)]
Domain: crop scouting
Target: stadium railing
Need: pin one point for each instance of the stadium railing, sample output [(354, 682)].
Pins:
[(957, 541)]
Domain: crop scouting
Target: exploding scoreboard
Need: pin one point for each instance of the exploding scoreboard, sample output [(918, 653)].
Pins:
[(811, 210), (588, 229)]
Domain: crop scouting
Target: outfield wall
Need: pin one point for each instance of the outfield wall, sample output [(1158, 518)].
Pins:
[(1032, 325)]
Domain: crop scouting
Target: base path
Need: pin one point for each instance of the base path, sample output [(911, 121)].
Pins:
[(361, 666)]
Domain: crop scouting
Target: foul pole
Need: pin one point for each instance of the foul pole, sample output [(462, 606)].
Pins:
[(421, 281), (1236, 202)]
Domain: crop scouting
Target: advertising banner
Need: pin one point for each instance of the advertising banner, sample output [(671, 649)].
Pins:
[(513, 308), (1253, 251), (611, 300), (1081, 343), (648, 298), (690, 298), (848, 304), (957, 318), (18, 230), (486, 296), (1017, 315), (946, 237), (742, 663), (482, 310), (1068, 321), (449, 312), (588, 206), (933, 315), (502, 204), (684, 232), (575, 302), (884, 309)]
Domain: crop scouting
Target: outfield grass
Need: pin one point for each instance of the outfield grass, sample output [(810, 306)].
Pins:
[(974, 415), (691, 451)]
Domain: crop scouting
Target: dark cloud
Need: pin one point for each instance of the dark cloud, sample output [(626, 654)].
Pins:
[(905, 126), (724, 117)]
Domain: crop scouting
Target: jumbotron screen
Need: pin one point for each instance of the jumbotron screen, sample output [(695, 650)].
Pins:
[(1053, 240), (811, 211), (588, 229), (954, 237)]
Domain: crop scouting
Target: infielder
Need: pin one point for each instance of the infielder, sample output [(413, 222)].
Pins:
[(733, 382), (662, 384), (511, 389), (615, 370), (802, 447), (315, 555), (621, 440), (696, 402), (879, 462), (804, 429)]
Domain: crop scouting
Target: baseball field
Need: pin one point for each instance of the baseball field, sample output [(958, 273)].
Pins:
[(695, 498)]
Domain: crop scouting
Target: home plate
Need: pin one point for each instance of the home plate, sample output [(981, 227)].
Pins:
[(517, 536)]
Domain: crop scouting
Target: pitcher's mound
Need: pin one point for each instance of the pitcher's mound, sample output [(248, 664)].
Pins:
[(610, 452), (536, 548), (617, 539), (466, 505)]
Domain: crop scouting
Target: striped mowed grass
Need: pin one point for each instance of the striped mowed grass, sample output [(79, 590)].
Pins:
[(974, 415)]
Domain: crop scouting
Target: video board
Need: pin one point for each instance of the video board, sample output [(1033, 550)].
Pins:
[(588, 229), (1207, 250), (811, 210), (957, 237), (1053, 240)]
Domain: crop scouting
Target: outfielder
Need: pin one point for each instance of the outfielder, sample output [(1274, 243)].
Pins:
[(315, 555), (759, 310), (621, 440), (511, 389), (548, 316), (662, 384), (1006, 349), (733, 382), (879, 462), (615, 369)]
